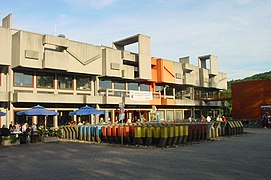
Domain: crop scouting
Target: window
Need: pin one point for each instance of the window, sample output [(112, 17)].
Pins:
[(65, 82), (170, 115), (187, 114), (178, 94), (161, 115), (133, 86), (197, 114), (105, 84), (82, 83), (159, 89), (179, 115), (144, 87), (120, 85), (23, 79), (169, 91), (45, 80)]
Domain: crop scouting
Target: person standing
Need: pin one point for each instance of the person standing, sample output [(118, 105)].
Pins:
[(24, 127), (208, 119), (202, 118)]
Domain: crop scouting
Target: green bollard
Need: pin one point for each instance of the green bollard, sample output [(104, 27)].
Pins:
[(170, 134), (149, 135), (138, 134), (164, 136), (156, 134), (176, 134), (181, 134), (143, 133), (185, 134)]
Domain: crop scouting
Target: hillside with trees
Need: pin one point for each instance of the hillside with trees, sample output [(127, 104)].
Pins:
[(260, 76)]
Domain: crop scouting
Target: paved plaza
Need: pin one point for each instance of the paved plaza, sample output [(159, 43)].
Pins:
[(244, 156)]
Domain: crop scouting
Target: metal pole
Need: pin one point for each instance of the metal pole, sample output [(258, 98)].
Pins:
[(122, 131), (123, 99)]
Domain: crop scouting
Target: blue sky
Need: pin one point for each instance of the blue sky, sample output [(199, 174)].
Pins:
[(237, 31)]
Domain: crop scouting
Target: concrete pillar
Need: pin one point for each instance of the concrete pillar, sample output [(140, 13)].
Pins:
[(35, 120), (55, 121), (113, 117)]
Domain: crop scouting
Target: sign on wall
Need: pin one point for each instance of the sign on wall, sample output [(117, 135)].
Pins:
[(140, 95)]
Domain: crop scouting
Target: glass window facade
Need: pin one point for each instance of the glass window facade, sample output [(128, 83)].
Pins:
[(159, 89), (65, 82), (161, 115), (179, 115), (105, 84), (187, 114), (178, 94), (170, 115), (120, 85), (23, 79), (82, 83), (45, 80), (133, 86), (144, 87), (169, 91)]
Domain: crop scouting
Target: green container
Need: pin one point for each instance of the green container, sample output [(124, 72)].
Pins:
[(143, 131), (164, 132), (156, 131), (171, 131), (185, 130), (150, 131), (138, 132), (181, 130), (176, 131)]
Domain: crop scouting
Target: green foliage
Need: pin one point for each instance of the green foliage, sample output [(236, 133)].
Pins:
[(12, 138), (260, 76), (43, 131)]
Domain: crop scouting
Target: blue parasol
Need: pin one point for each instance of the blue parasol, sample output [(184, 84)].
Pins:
[(2, 114), (86, 110), (37, 111)]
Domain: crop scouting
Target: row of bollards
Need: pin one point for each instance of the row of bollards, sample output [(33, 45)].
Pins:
[(153, 134)]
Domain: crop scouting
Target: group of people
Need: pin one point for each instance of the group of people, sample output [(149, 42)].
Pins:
[(219, 118), (21, 128)]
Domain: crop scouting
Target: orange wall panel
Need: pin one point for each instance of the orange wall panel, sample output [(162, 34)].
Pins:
[(162, 70)]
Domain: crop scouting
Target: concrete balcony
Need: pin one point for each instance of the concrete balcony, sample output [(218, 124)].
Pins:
[(114, 96), (55, 98)]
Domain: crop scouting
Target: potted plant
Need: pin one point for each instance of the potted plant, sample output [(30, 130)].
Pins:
[(10, 140), (49, 135)]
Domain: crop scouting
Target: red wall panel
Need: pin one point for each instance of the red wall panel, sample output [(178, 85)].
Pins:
[(248, 97)]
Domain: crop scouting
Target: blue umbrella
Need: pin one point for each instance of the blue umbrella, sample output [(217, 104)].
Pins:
[(86, 110), (2, 114), (38, 111)]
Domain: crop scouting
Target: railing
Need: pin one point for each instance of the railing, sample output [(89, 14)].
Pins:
[(215, 96)]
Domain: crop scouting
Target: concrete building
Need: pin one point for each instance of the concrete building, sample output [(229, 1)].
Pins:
[(64, 75)]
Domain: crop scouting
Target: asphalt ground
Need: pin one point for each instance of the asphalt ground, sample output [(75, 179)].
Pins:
[(245, 156)]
